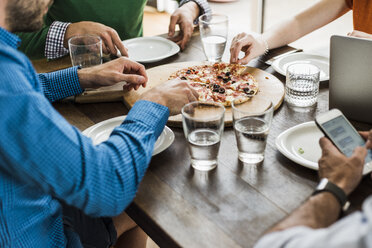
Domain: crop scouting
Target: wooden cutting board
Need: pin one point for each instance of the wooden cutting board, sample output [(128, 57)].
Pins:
[(269, 88)]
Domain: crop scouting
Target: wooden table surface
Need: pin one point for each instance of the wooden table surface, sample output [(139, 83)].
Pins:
[(230, 206)]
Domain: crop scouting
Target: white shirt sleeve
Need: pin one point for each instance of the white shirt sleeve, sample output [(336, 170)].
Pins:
[(353, 231)]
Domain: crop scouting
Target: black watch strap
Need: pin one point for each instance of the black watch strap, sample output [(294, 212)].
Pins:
[(325, 185)]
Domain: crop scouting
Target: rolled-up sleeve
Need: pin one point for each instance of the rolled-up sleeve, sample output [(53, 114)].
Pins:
[(203, 7), (353, 231)]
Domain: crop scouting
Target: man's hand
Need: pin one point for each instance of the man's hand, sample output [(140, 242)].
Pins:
[(184, 17), (173, 94), (345, 172), (111, 42), (110, 73), (360, 34), (251, 46), (368, 137)]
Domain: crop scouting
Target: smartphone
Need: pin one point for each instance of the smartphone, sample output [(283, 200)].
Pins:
[(343, 135)]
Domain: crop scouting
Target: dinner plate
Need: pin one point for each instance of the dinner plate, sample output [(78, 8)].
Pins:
[(301, 145), (100, 132), (281, 64), (150, 49)]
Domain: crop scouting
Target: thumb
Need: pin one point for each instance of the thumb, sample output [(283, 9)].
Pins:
[(131, 78), (245, 60), (360, 153), (172, 26), (327, 146)]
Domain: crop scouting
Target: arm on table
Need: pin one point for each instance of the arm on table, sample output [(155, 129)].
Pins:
[(41, 149), (323, 209), (318, 15)]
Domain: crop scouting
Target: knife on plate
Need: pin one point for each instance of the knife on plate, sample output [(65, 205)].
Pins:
[(270, 61)]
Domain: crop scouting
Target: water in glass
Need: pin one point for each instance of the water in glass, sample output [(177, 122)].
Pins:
[(302, 84), (302, 92), (251, 134), (204, 145), (214, 46)]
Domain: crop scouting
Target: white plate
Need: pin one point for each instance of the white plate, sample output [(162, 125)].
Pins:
[(281, 64), (304, 137), (150, 49), (100, 132)]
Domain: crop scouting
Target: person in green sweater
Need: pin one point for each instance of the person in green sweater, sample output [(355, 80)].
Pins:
[(113, 21)]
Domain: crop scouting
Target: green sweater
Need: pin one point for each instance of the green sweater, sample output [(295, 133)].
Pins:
[(125, 16)]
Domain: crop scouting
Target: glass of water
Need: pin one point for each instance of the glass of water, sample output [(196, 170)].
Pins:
[(203, 125), (213, 33), (302, 85), (85, 50), (251, 125)]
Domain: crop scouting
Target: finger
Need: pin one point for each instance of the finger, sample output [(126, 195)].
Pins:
[(132, 67), (327, 146), (235, 49), (177, 38), (119, 44), (107, 40), (364, 134), (191, 97), (187, 32), (248, 57), (104, 49), (369, 140), (359, 154), (194, 92), (172, 25), (130, 78)]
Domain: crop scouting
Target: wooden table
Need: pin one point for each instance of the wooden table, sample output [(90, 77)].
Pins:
[(230, 206)]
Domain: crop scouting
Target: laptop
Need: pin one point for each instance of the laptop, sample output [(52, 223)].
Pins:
[(350, 83)]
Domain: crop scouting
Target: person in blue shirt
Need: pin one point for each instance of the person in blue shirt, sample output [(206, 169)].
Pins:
[(56, 188)]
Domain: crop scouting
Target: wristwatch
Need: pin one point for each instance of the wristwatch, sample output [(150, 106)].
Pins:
[(325, 185)]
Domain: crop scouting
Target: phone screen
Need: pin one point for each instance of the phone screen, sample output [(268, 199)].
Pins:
[(345, 137)]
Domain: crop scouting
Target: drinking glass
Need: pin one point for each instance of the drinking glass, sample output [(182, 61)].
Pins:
[(251, 125), (85, 50), (213, 33), (302, 85), (203, 125)]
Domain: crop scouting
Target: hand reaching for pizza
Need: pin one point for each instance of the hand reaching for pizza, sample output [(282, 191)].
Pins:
[(173, 94), (250, 45)]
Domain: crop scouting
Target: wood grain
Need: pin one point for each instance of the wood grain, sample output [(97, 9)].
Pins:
[(270, 88)]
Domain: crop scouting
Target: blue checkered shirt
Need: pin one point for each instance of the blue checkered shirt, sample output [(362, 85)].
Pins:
[(44, 160)]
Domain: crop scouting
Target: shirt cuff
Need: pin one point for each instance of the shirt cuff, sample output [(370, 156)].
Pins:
[(203, 7), (54, 41), (61, 84), (150, 114), (281, 238)]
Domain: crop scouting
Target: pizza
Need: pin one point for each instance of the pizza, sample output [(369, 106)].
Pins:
[(219, 82)]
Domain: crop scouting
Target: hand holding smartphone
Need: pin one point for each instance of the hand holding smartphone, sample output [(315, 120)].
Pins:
[(343, 135)]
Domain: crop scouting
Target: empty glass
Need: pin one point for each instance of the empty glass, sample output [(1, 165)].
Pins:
[(85, 50), (203, 125), (252, 123), (302, 85), (213, 33)]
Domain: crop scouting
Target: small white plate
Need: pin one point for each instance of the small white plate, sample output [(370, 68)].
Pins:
[(150, 49), (301, 145), (281, 64), (100, 132)]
